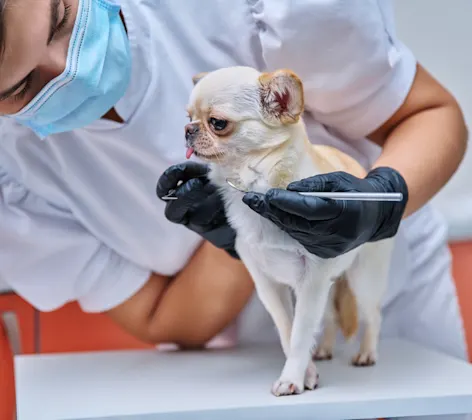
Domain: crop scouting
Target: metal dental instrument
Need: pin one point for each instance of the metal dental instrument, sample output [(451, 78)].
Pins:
[(169, 196), (343, 195), (351, 196)]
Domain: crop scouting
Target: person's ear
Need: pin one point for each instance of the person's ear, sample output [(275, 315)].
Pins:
[(198, 77), (282, 99)]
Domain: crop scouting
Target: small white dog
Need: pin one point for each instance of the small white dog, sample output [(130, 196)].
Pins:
[(247, 125)]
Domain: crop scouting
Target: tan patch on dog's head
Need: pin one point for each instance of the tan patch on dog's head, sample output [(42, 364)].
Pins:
[(198, 77)]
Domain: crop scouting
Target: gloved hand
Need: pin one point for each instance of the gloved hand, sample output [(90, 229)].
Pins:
[(329, 228), (199, 206)]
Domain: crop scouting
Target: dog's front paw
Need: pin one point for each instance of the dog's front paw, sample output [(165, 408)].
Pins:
[(286, 387), (311, 377), (365, 358)]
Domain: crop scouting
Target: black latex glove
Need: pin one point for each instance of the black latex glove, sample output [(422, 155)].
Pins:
[(329, 228), (199, 206)]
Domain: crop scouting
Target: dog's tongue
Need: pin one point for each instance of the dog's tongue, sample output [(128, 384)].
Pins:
[(190, 151)]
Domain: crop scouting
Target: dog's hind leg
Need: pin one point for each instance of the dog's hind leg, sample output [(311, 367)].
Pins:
[(368, 279), (324, 350)]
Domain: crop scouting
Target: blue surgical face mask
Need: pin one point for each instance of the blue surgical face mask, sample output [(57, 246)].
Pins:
[(96, 76)]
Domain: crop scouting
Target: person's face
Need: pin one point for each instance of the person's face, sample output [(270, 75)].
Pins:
[(37, 35)]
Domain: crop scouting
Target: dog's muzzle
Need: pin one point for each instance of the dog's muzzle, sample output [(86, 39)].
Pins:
[(191, 131)]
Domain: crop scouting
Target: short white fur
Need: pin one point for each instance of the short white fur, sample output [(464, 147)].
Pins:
[(268, 148)]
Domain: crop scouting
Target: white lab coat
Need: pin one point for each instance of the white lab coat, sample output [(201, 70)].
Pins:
[(79, 218)]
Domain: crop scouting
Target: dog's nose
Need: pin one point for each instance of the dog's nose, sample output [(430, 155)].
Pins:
[(191, 130)]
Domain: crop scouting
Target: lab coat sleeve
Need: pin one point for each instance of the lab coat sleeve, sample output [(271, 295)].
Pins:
[(356, 72), (49, 258)]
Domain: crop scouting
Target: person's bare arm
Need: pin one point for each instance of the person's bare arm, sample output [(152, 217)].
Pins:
[(192, 308), (425, 140)]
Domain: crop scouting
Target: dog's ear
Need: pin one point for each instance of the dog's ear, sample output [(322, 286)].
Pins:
[(281, 94), (198, 77)]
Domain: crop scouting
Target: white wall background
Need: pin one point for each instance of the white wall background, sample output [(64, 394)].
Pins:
[(440, 34)]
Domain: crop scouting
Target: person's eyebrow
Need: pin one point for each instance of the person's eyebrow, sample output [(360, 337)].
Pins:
[(53, 22)]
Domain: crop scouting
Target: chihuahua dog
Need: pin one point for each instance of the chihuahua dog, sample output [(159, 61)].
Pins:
[(248, 127)]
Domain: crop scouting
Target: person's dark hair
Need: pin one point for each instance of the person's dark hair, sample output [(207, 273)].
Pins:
[(2, 27)]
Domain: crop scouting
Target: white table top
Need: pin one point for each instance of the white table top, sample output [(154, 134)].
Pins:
[(235, 384)]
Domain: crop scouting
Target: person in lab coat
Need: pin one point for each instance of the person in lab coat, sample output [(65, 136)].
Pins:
[(93, 96)]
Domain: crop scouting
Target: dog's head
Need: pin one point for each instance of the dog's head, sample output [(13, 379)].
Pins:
[(238, 111)]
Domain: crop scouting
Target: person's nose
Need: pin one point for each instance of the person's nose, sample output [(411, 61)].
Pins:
[(54, 62)]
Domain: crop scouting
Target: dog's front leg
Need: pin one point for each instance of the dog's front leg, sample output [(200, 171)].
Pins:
[(275, 297), (300, 371), (277, 300)]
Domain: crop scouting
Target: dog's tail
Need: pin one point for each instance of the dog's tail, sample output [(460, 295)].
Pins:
[(345, 307)]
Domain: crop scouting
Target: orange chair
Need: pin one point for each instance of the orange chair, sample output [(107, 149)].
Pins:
[(68, 329), (17, 334), (462, 271), (7, 389)]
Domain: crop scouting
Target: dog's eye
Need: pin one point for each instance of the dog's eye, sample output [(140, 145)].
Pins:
[(218, 125)]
